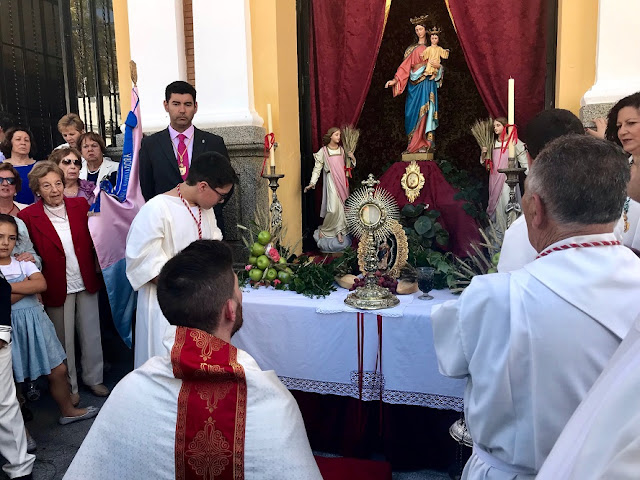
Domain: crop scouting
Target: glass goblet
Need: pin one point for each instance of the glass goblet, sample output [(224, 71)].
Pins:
[(425, 282)]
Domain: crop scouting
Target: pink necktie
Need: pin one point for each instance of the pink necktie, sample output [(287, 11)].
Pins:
[(183, 156)]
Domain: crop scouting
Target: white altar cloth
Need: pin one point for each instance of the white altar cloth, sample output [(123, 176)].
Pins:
[(318, 353)]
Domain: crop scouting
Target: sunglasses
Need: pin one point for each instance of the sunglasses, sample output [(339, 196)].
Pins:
[(66, 161), (9, 180)]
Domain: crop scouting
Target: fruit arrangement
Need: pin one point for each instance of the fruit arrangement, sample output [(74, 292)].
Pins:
[(265, 265)]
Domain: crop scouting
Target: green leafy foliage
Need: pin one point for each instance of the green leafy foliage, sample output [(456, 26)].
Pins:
[(313, 279)]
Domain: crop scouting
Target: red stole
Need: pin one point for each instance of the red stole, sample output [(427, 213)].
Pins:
[(212, 407)]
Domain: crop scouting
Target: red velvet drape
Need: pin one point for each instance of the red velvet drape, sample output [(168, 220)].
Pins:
[(345, 38), (502, 39)]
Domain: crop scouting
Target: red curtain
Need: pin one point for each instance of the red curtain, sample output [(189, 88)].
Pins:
[(345, 38), (502, 39)]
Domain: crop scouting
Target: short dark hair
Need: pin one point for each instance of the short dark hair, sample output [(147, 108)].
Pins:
[(6, 218), (95, 137), (581, 180), (7, 120), (611, 133), (195, 284), (179, 87), (213, 168), (6, 147), (549, 125)]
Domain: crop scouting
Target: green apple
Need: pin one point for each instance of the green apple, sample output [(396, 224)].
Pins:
[(255, 274), (264, 237), (252, 260), (495, 259), (282, 260), (288, 270), (492, 270), (284, 277), (263, 262), (257, 249), (271, 274)]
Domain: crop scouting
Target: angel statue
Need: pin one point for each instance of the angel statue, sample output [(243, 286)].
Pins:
[(421, 74), (334, 163)]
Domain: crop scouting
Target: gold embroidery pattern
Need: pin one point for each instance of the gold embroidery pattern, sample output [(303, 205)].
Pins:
[(209, 451), (181, 429), (212, 393), (241, 415), (181, 337), (207, 343)]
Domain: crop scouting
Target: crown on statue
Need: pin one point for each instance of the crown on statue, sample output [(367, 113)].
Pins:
[(419, 20), (434, 31)]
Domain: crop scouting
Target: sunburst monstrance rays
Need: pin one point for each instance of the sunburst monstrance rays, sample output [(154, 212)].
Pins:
[(377, 205)]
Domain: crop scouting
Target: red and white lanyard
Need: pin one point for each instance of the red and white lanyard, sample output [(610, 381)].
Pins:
[(567, 246), (199, 220)]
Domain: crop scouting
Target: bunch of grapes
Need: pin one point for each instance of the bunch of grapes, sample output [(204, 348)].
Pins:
[(383, 280)]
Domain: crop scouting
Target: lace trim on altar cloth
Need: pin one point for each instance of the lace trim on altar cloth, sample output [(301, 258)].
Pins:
[(371, 385)]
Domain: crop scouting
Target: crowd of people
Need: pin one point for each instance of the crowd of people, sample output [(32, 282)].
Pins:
[(532, 340)]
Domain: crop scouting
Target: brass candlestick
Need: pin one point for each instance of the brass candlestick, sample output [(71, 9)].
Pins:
[(275, 209), (513, 208)]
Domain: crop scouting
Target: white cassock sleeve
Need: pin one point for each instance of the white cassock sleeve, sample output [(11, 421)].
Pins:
[(447, 339), (144, 252)]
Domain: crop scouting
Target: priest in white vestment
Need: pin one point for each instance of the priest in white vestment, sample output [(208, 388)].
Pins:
[(532, 342), (203, 409), (163, 227)]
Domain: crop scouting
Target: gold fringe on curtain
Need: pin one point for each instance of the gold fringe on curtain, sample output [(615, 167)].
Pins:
[(451, 16)]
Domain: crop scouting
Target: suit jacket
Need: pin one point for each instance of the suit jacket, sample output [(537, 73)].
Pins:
[(158, 166), (49, 247), (159, 171)]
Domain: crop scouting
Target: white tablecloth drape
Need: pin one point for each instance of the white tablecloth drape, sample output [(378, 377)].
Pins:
[(318, 353)]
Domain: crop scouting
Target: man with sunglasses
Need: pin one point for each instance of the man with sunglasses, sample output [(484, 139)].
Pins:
[(164, 226)]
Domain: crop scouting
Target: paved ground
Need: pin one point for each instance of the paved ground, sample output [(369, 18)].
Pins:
[(58, 444)]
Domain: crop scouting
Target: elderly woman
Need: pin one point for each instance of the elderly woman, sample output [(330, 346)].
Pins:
[(18, 148), (70, 162), (59, 231), (96, 167), (10, 185)]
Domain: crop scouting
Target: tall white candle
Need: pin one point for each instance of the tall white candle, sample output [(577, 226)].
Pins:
[(511, 115), (272, 153)]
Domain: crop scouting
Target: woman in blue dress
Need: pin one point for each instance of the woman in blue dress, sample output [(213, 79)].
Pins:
[(18, 149)]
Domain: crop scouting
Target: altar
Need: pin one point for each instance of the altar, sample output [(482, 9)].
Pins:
[(318, 352), (316, 355)]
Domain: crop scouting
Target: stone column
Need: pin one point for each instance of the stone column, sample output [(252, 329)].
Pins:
[(617, 58), (157, 47), (224, 80)]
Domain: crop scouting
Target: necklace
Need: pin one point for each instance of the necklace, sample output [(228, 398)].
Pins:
[(567, 246), (13, 207), (55, 214), (199, 221), (180, 156), (625, 214)]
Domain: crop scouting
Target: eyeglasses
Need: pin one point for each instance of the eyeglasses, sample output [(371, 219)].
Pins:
[(223, 196), (66, 161), (9, 180)]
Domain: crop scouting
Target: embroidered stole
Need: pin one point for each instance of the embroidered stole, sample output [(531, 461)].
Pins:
[(212, 406)]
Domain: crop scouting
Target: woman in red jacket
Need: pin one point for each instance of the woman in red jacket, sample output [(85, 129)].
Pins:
[(59, 231)]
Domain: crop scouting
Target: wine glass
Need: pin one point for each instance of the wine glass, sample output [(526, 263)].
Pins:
[(425, 282)]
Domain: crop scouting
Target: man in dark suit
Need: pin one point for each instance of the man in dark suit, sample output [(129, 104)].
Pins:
[(165, 156)]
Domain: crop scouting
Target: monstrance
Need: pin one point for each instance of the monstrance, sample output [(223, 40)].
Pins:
[(369, 212)]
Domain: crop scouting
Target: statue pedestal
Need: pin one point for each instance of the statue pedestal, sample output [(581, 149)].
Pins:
[(418, 157)]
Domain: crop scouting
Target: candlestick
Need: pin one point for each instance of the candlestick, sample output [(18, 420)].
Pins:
[(275, 209), (272, 153), (511, 119)]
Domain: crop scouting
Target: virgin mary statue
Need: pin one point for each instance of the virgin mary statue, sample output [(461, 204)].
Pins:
[(421, 75)]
